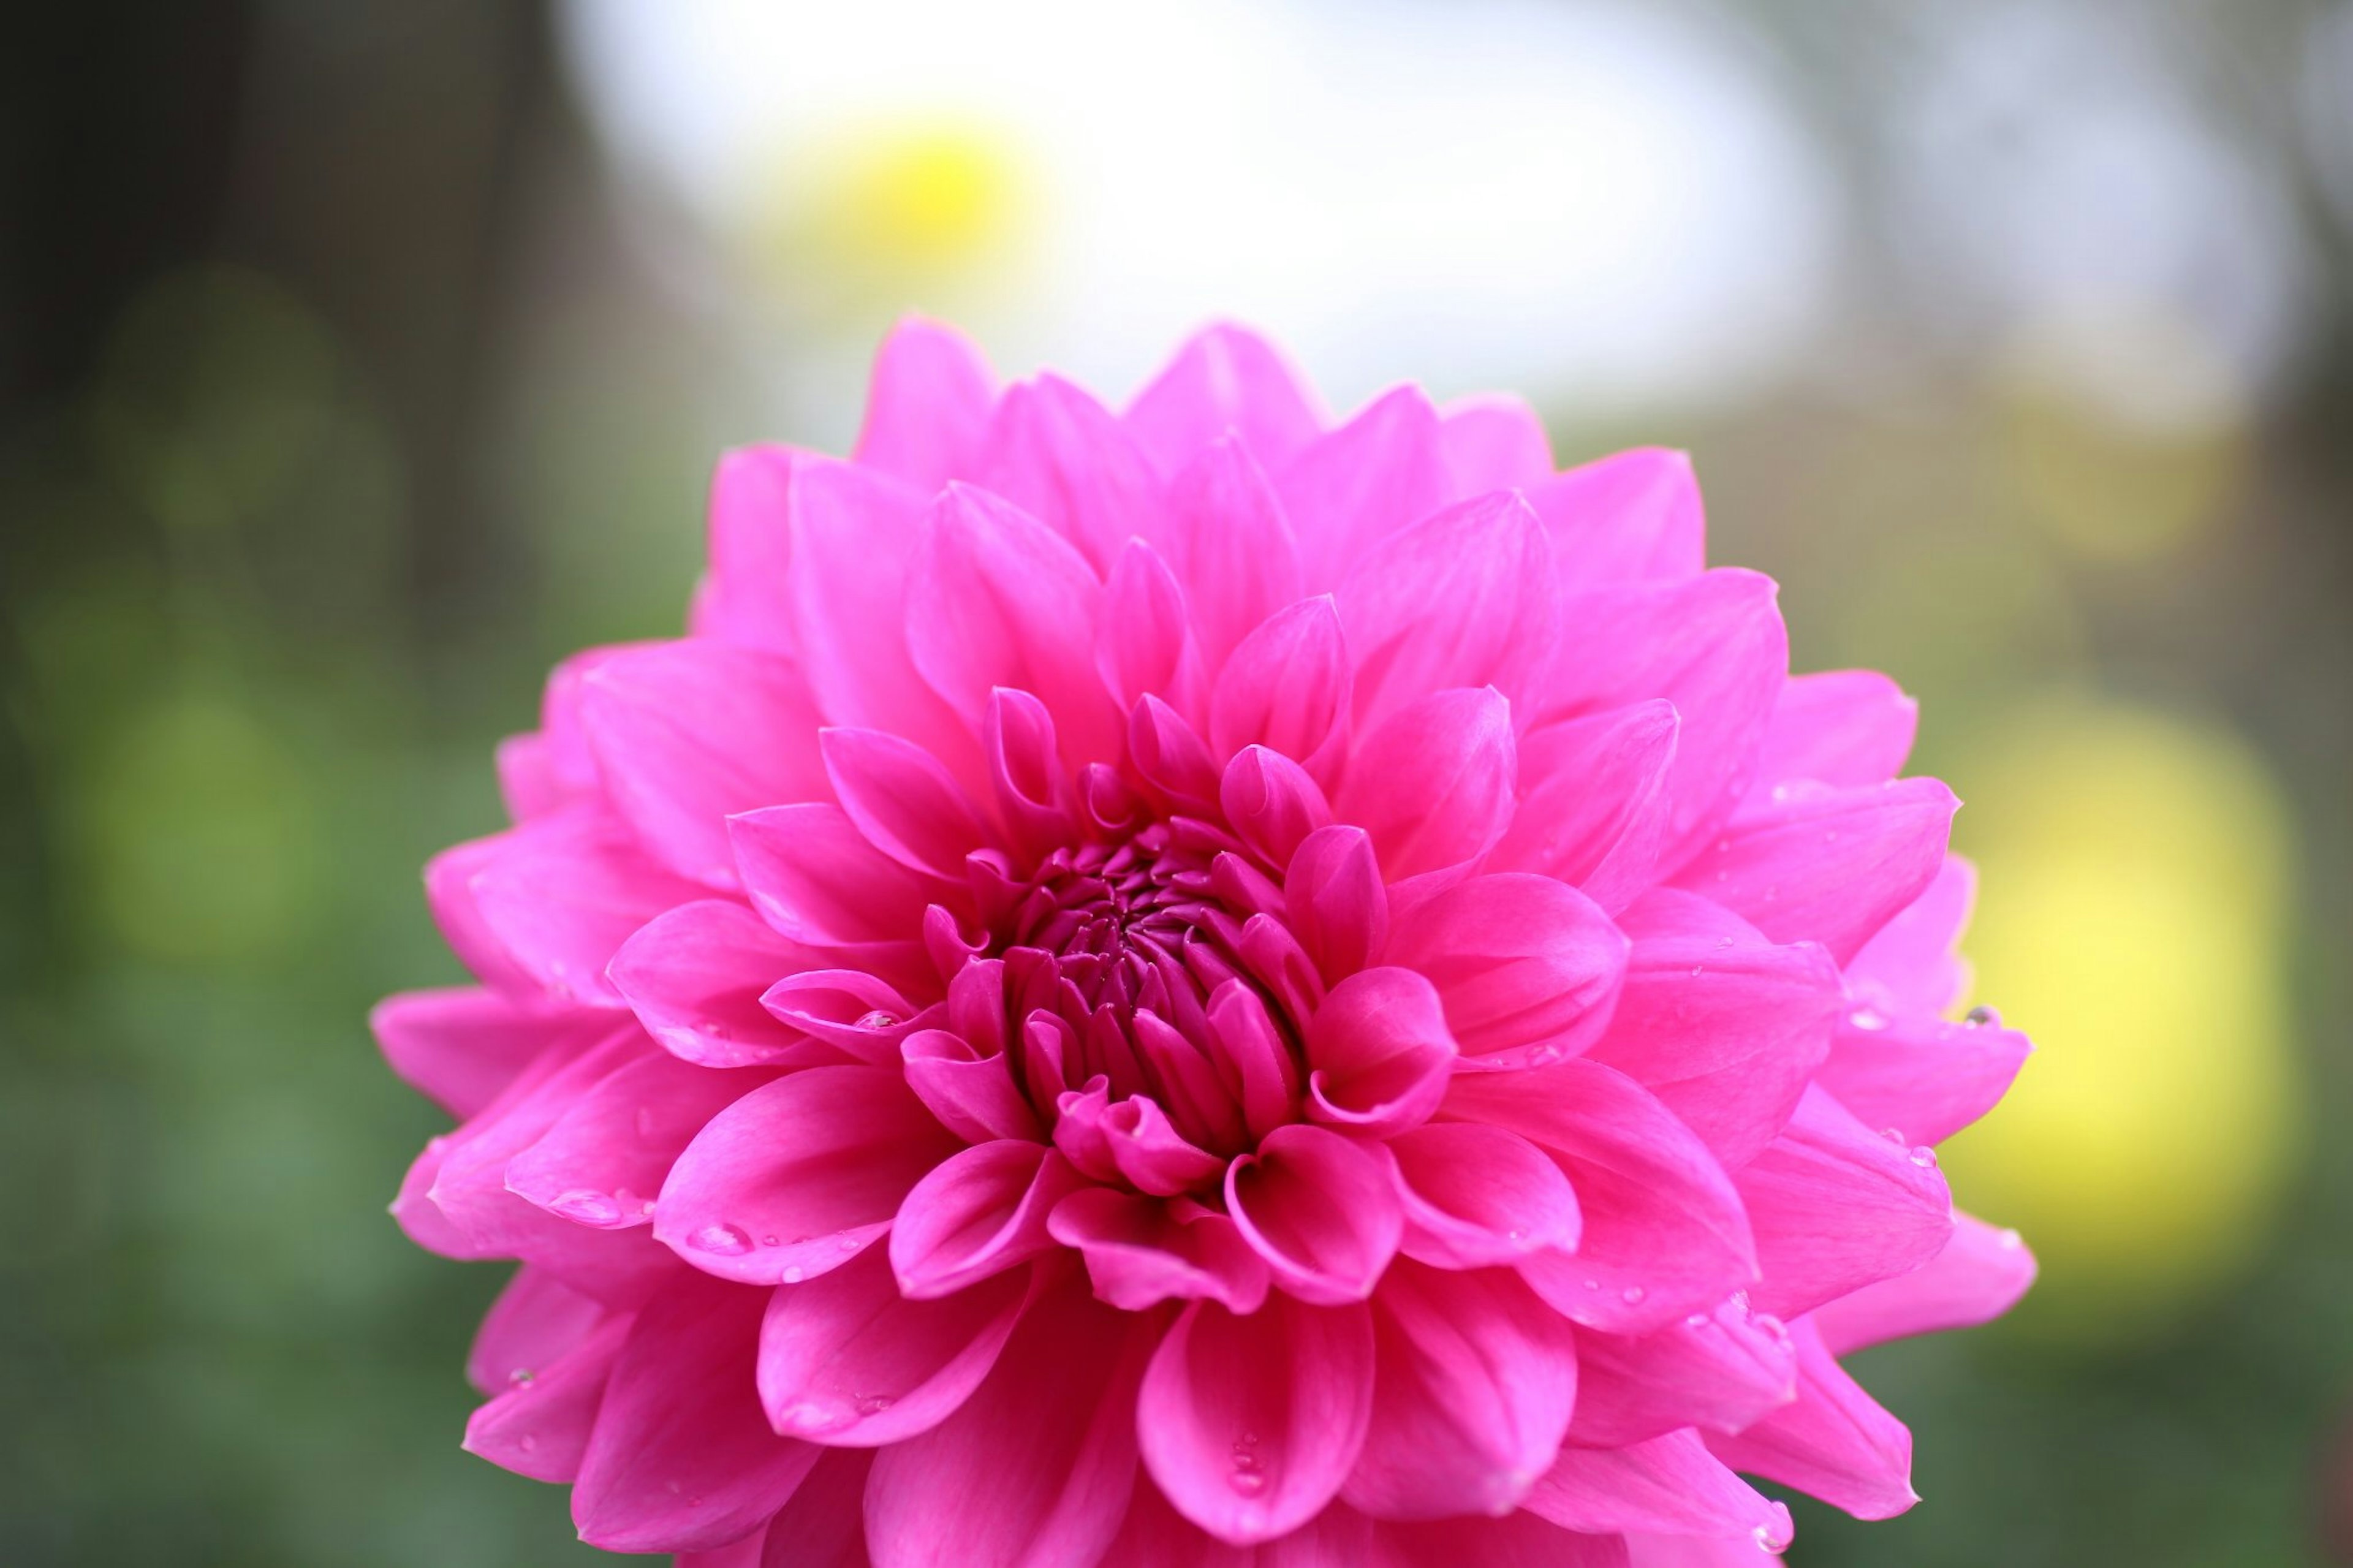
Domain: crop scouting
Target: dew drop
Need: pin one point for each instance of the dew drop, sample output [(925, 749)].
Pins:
[(584, 1207), (1924, 1157), (792, 1276), (645, 1121), (1248, 1482), (726, 1240), (1723, 941), (1593, 1284), (1892, 1134), (1698, 970), (520, 1377), (1697, 1321), (1772, 1327), (1631, 1295), (1868, 1018), (526, 1442), (2012, 1241), (875, 1403), (770, 1241), (849, 1244), (813, 1415), (878, 1019), (1981, 1017)]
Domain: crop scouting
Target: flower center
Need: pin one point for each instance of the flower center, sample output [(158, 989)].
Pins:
[(1154, 994)]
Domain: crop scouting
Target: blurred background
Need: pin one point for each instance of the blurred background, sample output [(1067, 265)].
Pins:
[(357, 361)]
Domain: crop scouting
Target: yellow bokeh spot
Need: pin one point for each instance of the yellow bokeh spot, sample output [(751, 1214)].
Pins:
[(891, 208), (2133, 919)]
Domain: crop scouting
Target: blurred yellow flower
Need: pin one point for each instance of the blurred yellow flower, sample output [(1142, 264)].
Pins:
[(2133, 919)]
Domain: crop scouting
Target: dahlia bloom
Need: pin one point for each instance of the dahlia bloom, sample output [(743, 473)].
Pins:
[(1202, 986)]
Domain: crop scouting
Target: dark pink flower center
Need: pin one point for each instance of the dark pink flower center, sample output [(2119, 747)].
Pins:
[(1146, 997)]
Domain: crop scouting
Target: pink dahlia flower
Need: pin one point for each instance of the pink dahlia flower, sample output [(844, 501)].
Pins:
[(1200, 987)]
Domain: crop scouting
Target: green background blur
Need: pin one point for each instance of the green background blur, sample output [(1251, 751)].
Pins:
[(336, 403)]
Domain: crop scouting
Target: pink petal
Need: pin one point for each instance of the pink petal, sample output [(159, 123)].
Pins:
[(536, 1319), (1924, 1078), (1270, 803), (1433, 783), (1592, 810), (1516, 1540), (979, 1211), (539, 1424), (1845, 727), (1493, 441), (814, 878), (1379, 1052), (742, 599), (927, 404), (907, 805), (1152, 1154), (1352, 487), (1060, 455), (1714, 647), (1830, 866), (1722, 1026), (1834, 1441), (854, 532), (974, 1095), (689, 733), (1978, 1275), (1695, 1551), (1037, 1466), (1232, 546), (1261, 1060), (1722, 1370), (1477, 1195), (561, 894), (1664, 1234), (449, 892), (1669, 1484), (1224, 378), (848, 1361), (996, 598), (1522, 963), (1837, 1206), (1031, 788), (1170, 760), (461, 1047), (862, 1017), (1464, 598), (824, 1523), (1285, 687), (1910, 966), (1336, 902), (1250, 1424), (1142, 1251), (798, 1177), (1143, 643), (682, 1459), (693, 975), (1471, 1389), (605, 1157), (1630, 517), (1320, 1209)]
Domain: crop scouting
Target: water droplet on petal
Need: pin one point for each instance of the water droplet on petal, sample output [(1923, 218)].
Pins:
[(727, 1240), (849, 1244), (1697, 1321), (520, 1377), (1632, 1294), (875, 1403), (1925, 1157), (1870, 1018), (1892, 1134), (645, 1121), (813, 1415), (526, 1442), (1248, 1483), (770, 1241), (584, 1207), (792, 1276), (1981, 1017), (878, 1019)]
